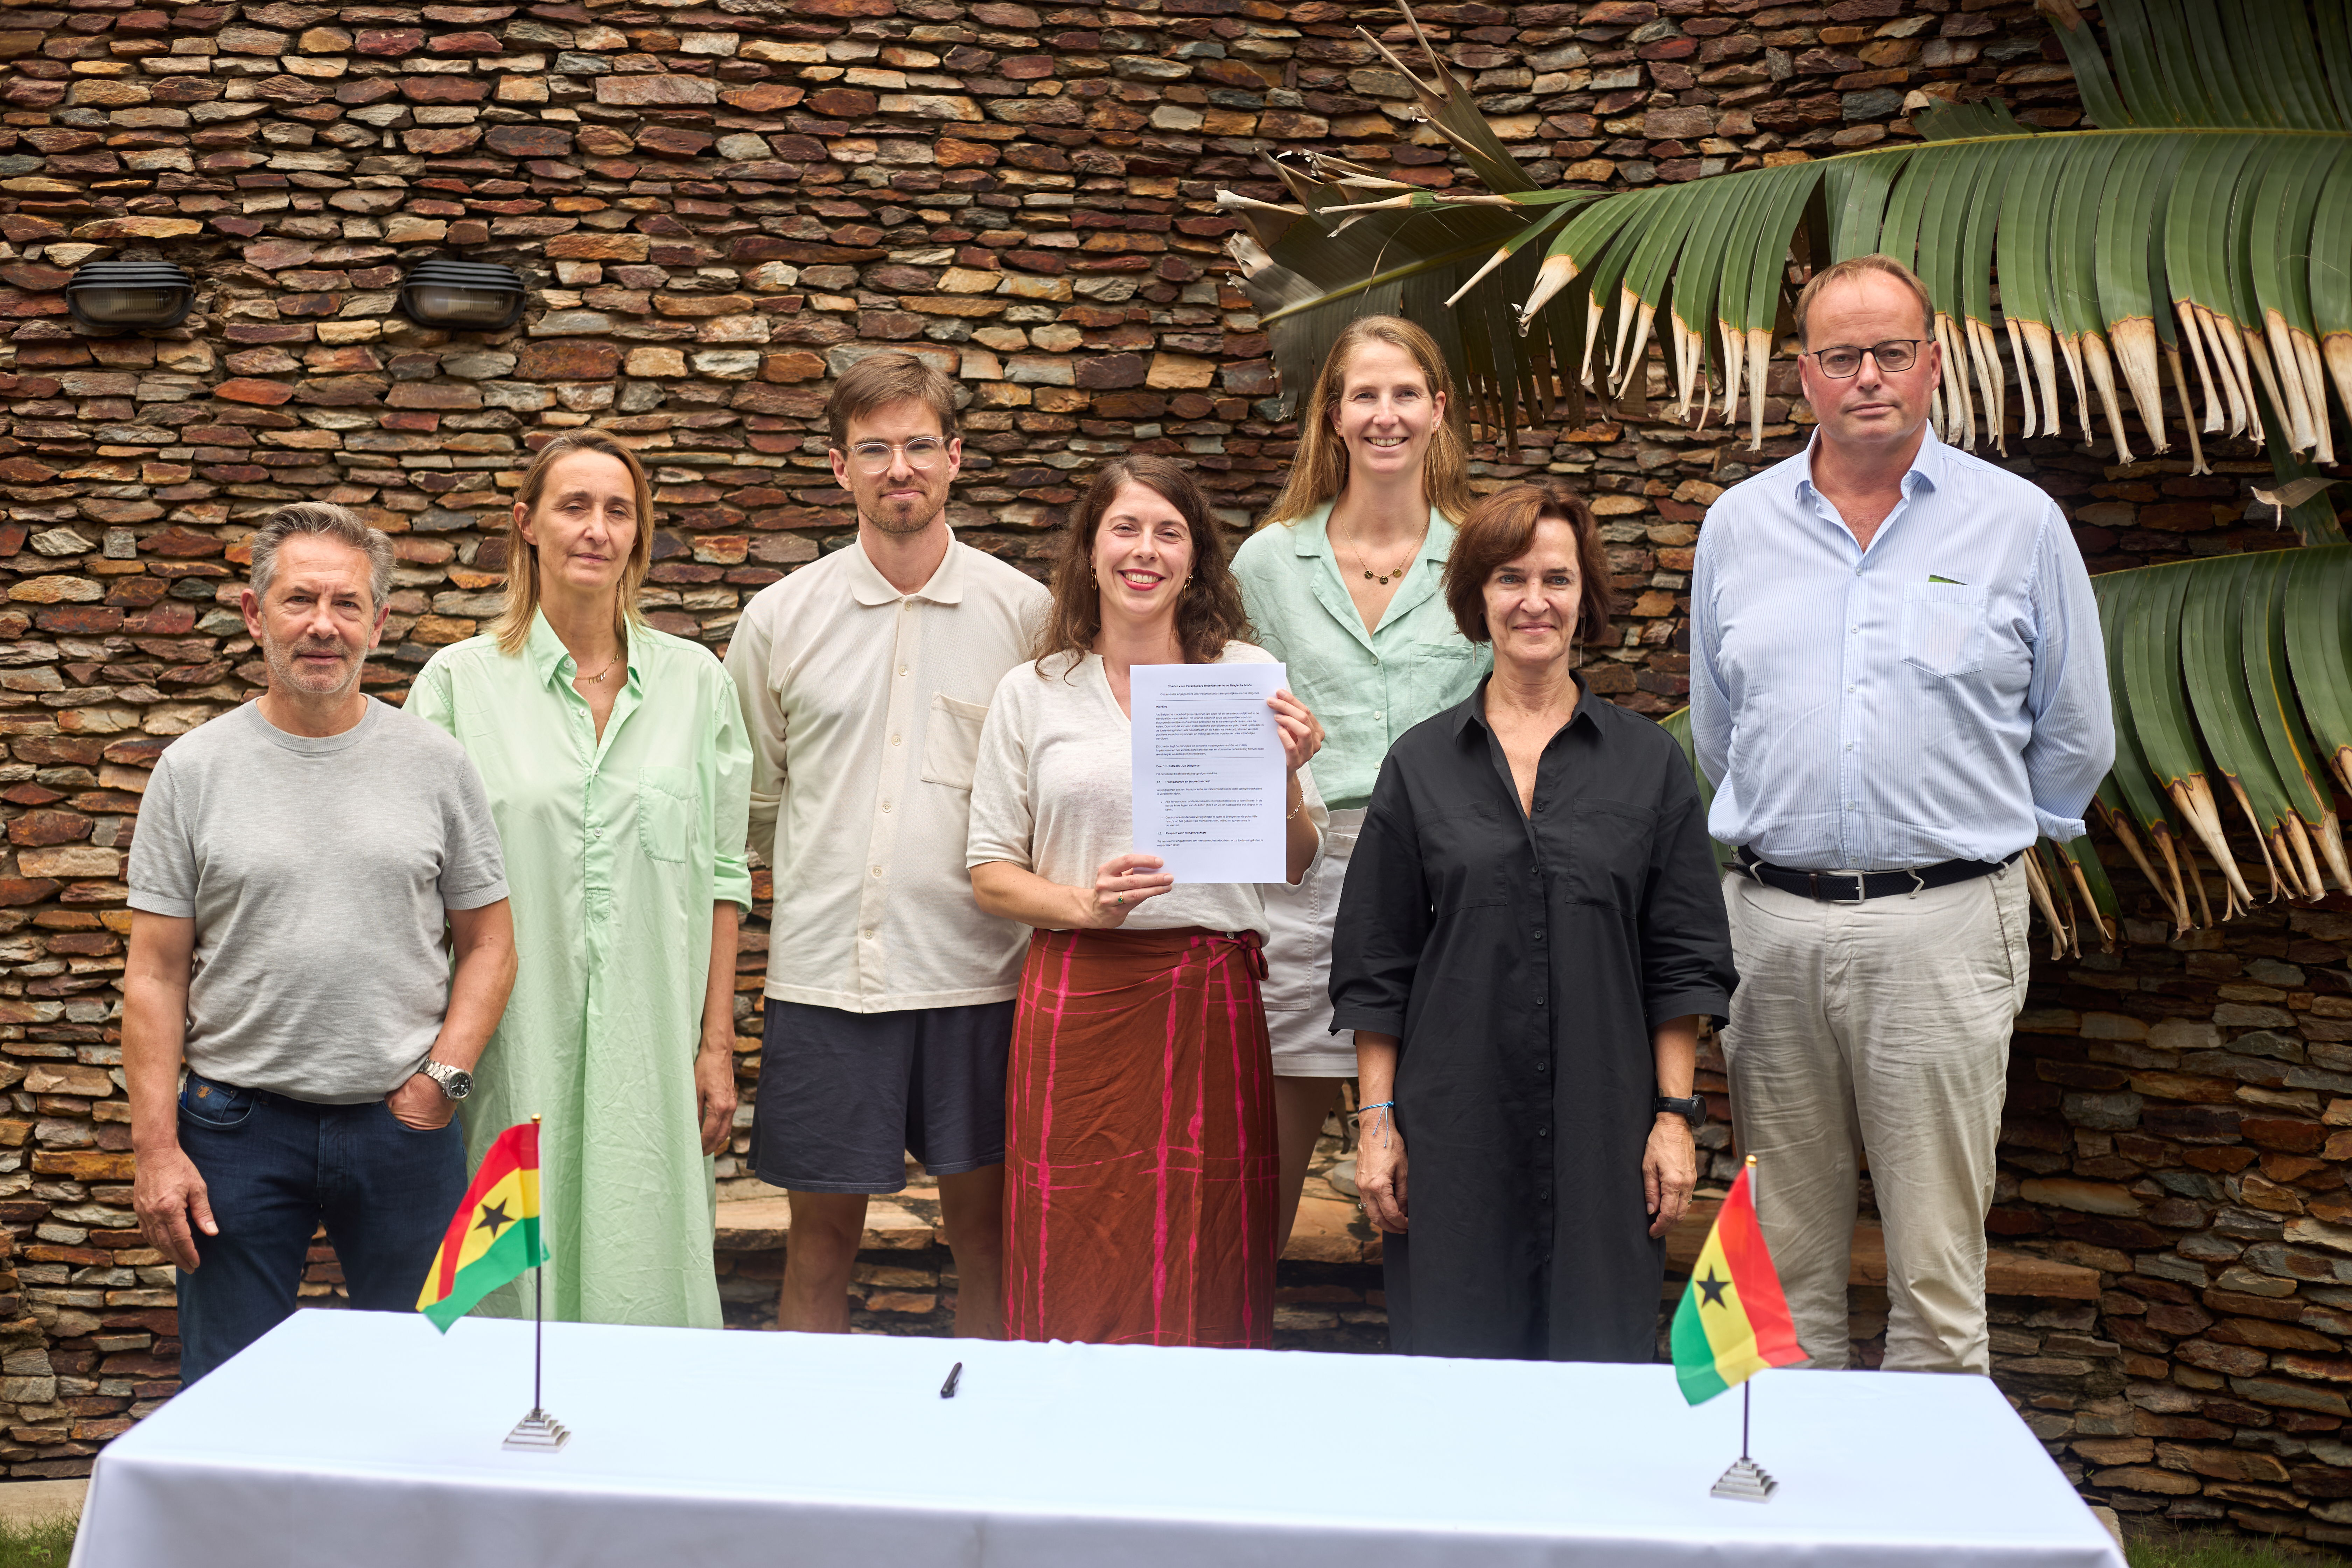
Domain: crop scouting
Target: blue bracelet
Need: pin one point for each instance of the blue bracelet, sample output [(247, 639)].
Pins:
[(1382, 1105)]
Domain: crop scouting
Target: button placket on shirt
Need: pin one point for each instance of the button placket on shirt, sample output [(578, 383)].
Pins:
[(1546, 790), (595, 859), (882, 832)]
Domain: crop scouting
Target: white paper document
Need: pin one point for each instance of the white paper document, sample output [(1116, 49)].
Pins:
[(1208, 770)]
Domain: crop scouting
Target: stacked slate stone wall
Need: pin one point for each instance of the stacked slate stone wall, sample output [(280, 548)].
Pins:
[(720, 206)]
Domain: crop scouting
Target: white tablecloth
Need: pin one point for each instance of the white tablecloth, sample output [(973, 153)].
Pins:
[(367, 1440)]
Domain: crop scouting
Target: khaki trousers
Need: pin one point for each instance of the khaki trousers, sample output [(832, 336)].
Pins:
[(1879, 1028)]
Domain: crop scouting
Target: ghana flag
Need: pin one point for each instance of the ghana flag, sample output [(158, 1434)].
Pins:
[(1733, 1321), (494, 1235)]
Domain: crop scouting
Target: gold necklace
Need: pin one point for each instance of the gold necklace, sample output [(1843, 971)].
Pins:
[(600, 675), (1397, 571)]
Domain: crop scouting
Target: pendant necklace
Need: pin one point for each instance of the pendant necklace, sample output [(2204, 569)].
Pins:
[(1399, 569), (600, 675)]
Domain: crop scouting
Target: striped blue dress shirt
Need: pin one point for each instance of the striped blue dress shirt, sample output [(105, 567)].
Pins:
[(1941, 695)]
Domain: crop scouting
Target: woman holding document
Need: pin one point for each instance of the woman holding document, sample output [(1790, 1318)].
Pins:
[(1139, 1160), (1341, 586)]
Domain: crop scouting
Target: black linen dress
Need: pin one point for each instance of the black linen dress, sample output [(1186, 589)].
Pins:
[(1523, 958)]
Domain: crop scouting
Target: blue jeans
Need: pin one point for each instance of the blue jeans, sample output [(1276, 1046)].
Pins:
[(275, 1168)]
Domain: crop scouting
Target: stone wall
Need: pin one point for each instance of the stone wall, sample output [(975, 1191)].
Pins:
[(720, 206)]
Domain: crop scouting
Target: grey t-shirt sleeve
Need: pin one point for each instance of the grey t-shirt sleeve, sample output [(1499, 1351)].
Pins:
[(162, 860), (473, 867)]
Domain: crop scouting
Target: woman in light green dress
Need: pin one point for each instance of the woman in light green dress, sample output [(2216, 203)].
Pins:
[(619, 773)]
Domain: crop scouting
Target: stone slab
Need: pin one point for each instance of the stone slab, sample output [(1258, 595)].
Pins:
[(25, 1503), (2006, 1273), (760, 1224)]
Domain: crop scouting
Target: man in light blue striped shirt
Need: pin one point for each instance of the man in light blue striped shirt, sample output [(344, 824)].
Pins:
[(1896, 683)]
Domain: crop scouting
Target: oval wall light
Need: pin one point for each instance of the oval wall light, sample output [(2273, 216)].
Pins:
[(465, 296), (113, 297)]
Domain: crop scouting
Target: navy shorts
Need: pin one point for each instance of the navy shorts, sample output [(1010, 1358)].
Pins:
[(843, 1098)]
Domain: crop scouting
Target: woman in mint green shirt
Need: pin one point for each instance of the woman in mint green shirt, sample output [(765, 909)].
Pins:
[(1342, 584), (619, 773)]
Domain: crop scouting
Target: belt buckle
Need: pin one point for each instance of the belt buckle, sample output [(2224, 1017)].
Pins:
[(1861, 894)]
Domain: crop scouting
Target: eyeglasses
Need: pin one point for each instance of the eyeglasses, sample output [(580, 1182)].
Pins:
[(922, 452), (1894, 356)]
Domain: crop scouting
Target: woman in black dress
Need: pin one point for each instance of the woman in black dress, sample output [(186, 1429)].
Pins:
[(1532, 927)]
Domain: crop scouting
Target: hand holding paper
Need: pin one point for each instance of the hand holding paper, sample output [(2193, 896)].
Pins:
[(1210, 763)]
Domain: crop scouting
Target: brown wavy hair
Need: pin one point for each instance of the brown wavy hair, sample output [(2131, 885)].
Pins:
[(1209, 612), (1319, 472), (513, 626), (1499, 530)]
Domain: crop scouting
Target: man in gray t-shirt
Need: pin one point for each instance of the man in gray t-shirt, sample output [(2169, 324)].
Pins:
[(294, 865)]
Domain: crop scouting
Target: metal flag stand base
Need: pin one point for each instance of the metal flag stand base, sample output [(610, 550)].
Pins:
[(1746, 1482), (538, 1432)]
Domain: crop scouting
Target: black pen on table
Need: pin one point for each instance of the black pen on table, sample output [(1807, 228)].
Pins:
[(947, 1389)]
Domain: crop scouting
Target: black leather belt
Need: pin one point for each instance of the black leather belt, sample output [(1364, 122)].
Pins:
[(1854, 887)]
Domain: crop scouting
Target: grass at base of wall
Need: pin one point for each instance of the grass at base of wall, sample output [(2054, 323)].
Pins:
[(2163, 1546), (46, 1543)]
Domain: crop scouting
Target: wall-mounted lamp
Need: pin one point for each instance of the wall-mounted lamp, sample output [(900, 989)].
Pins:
[(468, 296), (112, 297)]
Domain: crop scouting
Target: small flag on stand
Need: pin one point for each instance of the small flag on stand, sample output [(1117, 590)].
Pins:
[(494, 1234), (1733, 1323), (492, 1238)]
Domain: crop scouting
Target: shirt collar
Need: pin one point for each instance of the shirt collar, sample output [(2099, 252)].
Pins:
[(1472, 709), (1926, 468), (869, 587), (548, 657)]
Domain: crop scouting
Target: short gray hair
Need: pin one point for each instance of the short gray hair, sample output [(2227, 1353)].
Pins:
[(326, 521)]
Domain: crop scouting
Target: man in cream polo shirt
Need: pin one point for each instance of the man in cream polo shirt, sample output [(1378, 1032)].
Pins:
[(864, 679)]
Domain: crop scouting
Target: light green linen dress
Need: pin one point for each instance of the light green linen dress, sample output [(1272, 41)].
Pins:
[(615, 851)]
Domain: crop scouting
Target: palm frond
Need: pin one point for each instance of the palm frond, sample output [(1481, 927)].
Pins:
[(2193, 248), (2236, 668)]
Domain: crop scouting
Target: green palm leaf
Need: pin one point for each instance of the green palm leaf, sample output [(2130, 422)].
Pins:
[(2317, 616), (2132, 799), (2200, 233)]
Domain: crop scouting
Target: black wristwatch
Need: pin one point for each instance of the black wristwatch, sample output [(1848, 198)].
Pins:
[(1692, 1109)]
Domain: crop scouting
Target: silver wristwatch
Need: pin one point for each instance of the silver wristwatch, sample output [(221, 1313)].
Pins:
[(455, 1083)]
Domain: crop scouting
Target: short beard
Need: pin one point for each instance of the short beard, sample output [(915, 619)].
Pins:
[(887, 525), (284, 672)]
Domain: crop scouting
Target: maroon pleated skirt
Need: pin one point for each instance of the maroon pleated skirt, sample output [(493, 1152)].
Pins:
[(1139, 1164)]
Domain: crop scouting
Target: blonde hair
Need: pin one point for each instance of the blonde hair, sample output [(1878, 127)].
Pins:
[(513, 627), (1850, 270), (1320, 471)]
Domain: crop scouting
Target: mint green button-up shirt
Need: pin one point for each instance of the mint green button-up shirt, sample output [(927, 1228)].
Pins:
[(616, 850), (1368, 688)]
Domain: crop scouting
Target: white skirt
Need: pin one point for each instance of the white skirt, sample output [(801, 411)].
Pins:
[(1297, 989)]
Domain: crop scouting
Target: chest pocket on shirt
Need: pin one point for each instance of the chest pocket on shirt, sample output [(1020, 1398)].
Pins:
[(1944, 628), (1441, 673), (1609, 853), (668, 805), (951, 741)]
